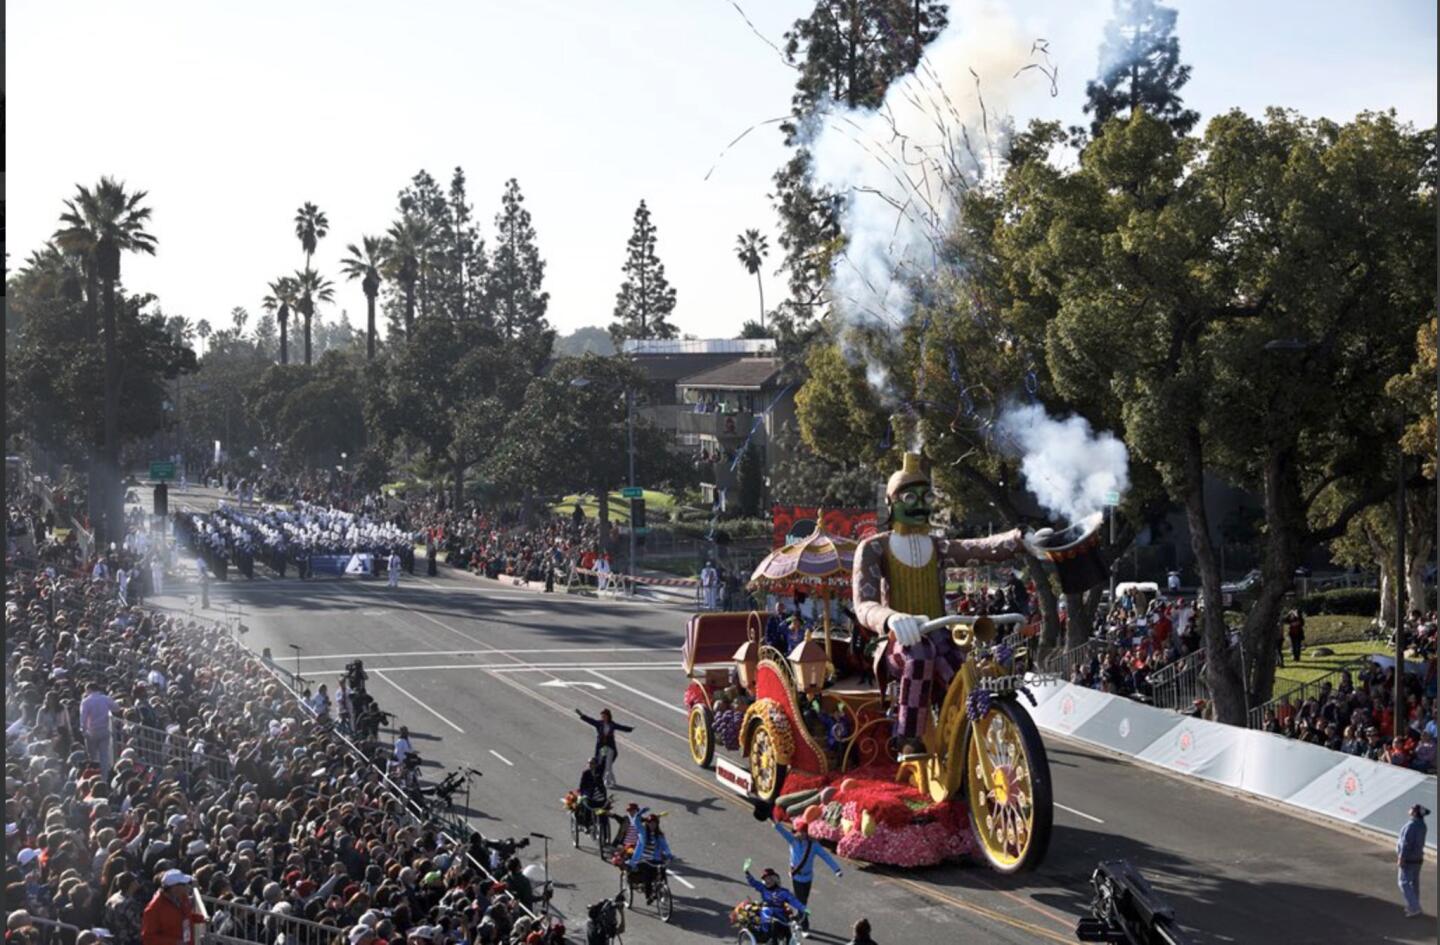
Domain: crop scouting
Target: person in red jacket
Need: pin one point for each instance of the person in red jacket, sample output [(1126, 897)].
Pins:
[(170, 918)]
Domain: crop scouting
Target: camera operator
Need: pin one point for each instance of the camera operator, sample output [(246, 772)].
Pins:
[(493, 853)]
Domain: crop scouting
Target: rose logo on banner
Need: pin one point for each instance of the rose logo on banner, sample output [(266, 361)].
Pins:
[(1125, 727), (1187, 740), (1067, 705), (1352, 786)]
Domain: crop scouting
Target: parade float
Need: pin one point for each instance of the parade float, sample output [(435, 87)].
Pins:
[(808, 735)]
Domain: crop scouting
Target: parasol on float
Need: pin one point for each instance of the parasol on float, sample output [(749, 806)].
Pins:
[(820, 560)]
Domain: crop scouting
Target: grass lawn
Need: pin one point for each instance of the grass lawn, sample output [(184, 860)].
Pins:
[(658, 505), (1343, 635)]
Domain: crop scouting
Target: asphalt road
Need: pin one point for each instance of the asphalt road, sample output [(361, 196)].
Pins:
[(490, 677)]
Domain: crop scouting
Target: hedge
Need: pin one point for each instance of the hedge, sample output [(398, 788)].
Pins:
[(1352, 601)]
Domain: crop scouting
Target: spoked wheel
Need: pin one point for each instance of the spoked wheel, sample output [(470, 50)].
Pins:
[(767, 774), (575, 829), (664, 901), (702, 735), (1007, 784), (629, 890), (746, 937)]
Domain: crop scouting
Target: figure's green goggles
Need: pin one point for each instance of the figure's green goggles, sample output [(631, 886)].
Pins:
[(916, 498)]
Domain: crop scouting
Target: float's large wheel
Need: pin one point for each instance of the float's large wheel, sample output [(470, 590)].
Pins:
[(767, 774), (1007, 780), (702, 735)]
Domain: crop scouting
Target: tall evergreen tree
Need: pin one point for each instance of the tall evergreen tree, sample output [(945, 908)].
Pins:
[(424, 200), (465, 261), (513, 293), (1140, 68), (646, 298), (846, 51)]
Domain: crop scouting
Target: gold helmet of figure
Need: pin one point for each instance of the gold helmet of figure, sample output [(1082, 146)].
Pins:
[(908, 475)]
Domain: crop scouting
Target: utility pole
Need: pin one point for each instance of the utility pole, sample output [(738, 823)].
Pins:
[(630, 437)]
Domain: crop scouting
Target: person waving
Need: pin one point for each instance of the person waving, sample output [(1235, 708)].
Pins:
[(605, 751), (803, 850)]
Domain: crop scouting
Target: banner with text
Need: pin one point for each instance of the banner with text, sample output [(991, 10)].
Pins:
[(794, 522)]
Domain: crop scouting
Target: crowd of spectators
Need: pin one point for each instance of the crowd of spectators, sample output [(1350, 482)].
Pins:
[(1357, 714), (1134, 639), (148, 755), (507, 544)]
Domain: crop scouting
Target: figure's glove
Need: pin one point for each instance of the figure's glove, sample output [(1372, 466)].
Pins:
[(746, 867), (906, 627)]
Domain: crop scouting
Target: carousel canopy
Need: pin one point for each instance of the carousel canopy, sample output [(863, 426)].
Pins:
[(820, 559)]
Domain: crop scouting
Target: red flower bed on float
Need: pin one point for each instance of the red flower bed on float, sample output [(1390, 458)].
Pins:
[(871, 817)]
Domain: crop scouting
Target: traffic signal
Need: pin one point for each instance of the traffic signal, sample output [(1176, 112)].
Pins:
[(162, 500), (637, 520)]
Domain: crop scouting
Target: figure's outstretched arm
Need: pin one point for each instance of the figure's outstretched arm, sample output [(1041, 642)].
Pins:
[(958, 552)]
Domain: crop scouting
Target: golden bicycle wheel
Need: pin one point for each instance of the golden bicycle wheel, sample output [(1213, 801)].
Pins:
[(1007, 784), (766, 771), (701, 730)]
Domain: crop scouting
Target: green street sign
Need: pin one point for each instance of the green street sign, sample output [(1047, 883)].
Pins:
[(1112, 498), (633, 492), (641, 530), (162, 470)]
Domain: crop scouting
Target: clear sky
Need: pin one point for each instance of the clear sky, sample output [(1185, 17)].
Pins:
[(232, 115)]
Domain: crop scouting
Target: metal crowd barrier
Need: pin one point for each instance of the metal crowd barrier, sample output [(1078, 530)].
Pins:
[(1179, 683), (158, 747), (53, 932), (1307, 690), (234, 923)]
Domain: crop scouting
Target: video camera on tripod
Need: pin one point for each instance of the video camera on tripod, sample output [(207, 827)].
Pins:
[(1126, 910)]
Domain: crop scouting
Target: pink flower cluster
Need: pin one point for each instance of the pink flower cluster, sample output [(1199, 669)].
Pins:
[(914, 845)]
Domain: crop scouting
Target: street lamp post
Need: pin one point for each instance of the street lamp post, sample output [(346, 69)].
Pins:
[(630, 438)]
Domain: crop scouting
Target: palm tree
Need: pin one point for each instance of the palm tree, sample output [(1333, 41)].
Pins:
[(408, 238), (310, 228), (279, 302), (364, 264), (100, 224), (311, 287), (751, 248)]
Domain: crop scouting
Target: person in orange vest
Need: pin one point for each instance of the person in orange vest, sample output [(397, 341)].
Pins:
[(170, 918)]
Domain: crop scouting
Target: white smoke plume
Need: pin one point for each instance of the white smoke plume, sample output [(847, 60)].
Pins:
[(902, 168), (1067, 466)]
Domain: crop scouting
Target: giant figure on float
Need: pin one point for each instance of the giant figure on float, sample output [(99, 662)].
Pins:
[(898, 585)]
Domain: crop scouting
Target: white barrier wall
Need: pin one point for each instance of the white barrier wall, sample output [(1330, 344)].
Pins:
[(1354, 790)]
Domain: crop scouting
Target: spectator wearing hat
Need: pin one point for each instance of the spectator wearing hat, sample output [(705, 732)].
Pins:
[(170, 918), (1410, 857)]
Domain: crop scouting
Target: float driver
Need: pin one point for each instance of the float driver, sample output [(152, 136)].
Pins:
[(898, 586)]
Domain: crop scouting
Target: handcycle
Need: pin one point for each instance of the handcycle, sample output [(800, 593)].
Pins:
[(656, 888), (594, 822), (782, 929)]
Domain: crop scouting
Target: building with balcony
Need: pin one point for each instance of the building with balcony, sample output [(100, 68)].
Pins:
[(721, 407)]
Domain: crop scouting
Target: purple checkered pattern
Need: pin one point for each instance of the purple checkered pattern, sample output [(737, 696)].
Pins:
[(920, 668)]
